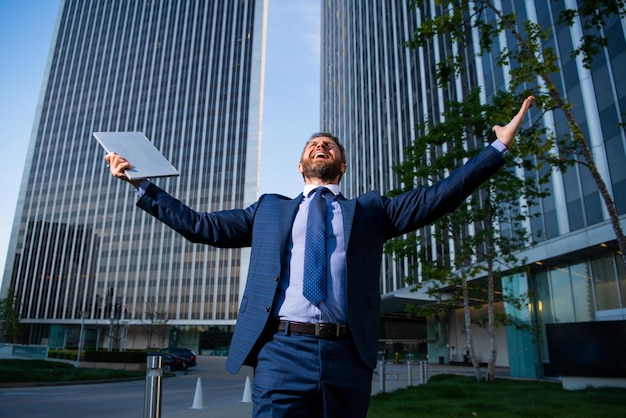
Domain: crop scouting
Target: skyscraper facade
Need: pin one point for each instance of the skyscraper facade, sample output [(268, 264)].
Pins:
[(376, 90), (189, 75)]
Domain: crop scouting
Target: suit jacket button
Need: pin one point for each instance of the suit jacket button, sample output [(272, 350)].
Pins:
[(268, 308), (276, 278)]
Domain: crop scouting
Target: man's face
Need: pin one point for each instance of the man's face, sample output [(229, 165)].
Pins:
[(322, 161)]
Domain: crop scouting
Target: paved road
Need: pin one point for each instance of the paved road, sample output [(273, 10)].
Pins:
[(221, 394)]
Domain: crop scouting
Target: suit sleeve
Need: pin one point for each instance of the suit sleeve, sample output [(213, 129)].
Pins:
[(225, 229), (423, 205)]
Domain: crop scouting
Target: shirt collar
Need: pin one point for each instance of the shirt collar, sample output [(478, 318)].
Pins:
[(334, 188)]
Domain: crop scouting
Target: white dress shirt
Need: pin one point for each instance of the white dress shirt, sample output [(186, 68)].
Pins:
[(291, 304)]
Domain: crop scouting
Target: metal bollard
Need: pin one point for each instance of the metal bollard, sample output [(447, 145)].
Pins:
[(154, 374), (381, 375), (423, 366)]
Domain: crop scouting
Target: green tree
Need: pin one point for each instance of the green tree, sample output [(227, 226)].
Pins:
[(465, 244), (532, 64), (9, 318)]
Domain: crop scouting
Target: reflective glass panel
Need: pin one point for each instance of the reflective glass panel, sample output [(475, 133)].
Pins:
[(621, 277), (560, 289), (604, 282), (583, 295)]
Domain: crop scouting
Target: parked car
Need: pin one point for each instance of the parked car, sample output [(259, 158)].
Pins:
[(171, 362), (186, 354)]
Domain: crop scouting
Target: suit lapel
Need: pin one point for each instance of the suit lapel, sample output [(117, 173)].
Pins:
[(288, 210), (348, 208)]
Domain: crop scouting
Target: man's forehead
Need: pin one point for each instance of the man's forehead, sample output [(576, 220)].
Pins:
[(321, 139)]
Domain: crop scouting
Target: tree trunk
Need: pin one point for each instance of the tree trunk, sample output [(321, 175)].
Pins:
[(491, 326), (593, 169), (468, 328)]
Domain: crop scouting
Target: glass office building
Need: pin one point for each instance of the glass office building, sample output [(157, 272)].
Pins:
[(375, 91), (188, 74)]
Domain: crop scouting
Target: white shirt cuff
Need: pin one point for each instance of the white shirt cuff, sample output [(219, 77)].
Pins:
[(142, 187), (500, 147)]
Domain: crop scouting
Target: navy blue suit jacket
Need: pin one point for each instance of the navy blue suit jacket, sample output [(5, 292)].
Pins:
[(265, 226)]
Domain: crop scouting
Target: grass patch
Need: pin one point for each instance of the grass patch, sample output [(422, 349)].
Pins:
[(37, 371), (462, 396)]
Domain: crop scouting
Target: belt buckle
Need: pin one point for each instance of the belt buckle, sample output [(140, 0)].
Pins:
[(336, 328)]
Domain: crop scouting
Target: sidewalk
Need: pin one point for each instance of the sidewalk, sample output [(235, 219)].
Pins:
[(223, 393)]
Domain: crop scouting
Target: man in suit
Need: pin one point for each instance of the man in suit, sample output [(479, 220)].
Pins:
[(314, 355)]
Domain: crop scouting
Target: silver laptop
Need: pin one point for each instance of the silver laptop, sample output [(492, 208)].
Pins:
[(146, 159)]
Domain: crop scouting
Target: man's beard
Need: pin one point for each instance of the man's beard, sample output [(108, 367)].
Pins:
[(322, 169)]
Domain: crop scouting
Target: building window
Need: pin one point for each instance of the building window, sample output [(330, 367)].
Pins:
[(605, 284)]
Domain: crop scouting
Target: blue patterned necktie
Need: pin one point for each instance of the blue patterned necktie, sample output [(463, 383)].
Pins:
[(315, 262)]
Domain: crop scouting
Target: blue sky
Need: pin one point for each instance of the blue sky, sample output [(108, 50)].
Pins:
[(291, 103)]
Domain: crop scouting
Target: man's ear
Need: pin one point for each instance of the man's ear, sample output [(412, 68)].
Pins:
[(300, 169), (343, 168)]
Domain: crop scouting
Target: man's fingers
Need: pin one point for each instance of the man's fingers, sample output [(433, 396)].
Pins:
[(507, 132), (118, 165), (528, 102), (517, 120), (524, 109)]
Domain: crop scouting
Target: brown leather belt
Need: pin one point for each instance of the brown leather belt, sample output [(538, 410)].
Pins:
[(319, 330)]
